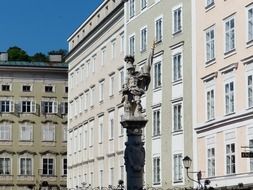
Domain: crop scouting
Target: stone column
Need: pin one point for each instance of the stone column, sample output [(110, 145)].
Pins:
[(134, 152)]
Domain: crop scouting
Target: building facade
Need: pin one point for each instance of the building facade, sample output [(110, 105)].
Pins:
[(96, 75), (168, 107), (33, 123), (224, 71)]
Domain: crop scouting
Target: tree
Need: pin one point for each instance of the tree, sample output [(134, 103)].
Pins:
[(17, 54), (63, 52), (39, 57)]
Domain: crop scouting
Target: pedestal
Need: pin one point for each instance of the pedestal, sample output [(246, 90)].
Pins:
[(134, 152)]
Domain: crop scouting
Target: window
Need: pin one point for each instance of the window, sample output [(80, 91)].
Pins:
[(64, 108), (100, 137), (229, 34), (250, 91), (26, 88), (250, 23), (49, 107), (111, 176), (113, 43), (229, 97), (210, 104), (210, 44), (66, 89), (156, 170), (65, 166), (111, 88), (158, 30), (143, 4), (251, 149), (103, 56), (93, 63), (111, 128), (48, 88), (177, 117), (48, 166), (143, 39), (6, 87), (211, 161), (177, 160), (101, 91), (5, 131), (209, 3), (177, 20), (48, 132), (132, 45), (26, 132), (5, 166), (91, 142), (230, 158), (156, 122), (177, 67), (121, 131), (92, 96), (157, 75), (121, 78), (6, 106), (64, 133), (122, 44), (25, 166), (28, 106), (131, 8)]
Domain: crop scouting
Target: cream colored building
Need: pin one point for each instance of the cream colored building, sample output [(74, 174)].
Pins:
[(224, 98), (96, 74), (33, 123)]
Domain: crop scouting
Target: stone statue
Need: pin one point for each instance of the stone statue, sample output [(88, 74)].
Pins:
[(137, 83)]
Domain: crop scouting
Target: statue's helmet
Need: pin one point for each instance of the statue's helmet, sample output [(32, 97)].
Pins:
[(129, 62)]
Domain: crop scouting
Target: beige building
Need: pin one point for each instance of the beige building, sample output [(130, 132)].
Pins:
[(168, 133), (224, 98), (96, 74), (33, 107)]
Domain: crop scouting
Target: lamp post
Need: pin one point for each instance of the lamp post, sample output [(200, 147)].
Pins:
[(187, 161)]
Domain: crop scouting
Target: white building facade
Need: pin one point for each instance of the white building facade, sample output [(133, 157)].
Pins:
[(96, 74)]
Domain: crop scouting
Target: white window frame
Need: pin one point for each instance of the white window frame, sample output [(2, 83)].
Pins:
[(53, 163), (210, 144), (249, 87), (64, 169), (47, 130), (177, 168), (249, 24), (156, 118), (5, 131), (143, 39), (8, 107), (101, 90), (209, 44), (6, 168), (159, 30), (92, 96), (29, 129), (122, 42), (210, 105), (144, 4), (111, 85), (131, 40), (32, 106), (156, 176), (231, 31), (131, 8), (26, 172), (101, 129), (111, 125), (177, 66), (157, 75), (231, 96), (121, 78), (103, 52), (113, 45), (209, 3), (230, 137), (175, 125), (175, 27)]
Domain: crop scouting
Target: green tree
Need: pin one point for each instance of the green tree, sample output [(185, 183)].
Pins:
[(39, 57), (17, 54), (63, 52)]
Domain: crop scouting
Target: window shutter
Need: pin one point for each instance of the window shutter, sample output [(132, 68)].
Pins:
[(33, 106), (55, 105), (18, 106), (43, 107), (11, 106)]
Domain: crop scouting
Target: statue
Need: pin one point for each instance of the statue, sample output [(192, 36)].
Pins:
[(137, 83)]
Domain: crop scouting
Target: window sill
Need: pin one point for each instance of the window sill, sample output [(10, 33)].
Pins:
[(249, 43), (157, 89), (178, 181), (210, 62), (210, 120), (177, 32), (143, 50), (229, 53), (158, 42), (209, 7), (228, 114), (177, 132), (111, 139), (176, 82), (154, 137)]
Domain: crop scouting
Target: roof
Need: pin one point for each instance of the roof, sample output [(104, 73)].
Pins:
[(33, 64)]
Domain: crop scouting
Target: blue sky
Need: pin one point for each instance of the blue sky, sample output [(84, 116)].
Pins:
[(41, 25)]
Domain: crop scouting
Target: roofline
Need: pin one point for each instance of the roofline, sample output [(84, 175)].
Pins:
[(87, 20)]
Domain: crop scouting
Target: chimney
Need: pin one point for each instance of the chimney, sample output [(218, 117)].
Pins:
[(55, 58), (3, 56)]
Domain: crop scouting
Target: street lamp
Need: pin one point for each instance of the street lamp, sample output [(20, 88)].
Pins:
[(187, 161)]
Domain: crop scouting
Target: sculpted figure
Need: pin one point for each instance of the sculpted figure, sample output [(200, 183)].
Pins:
[(137, 83)]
